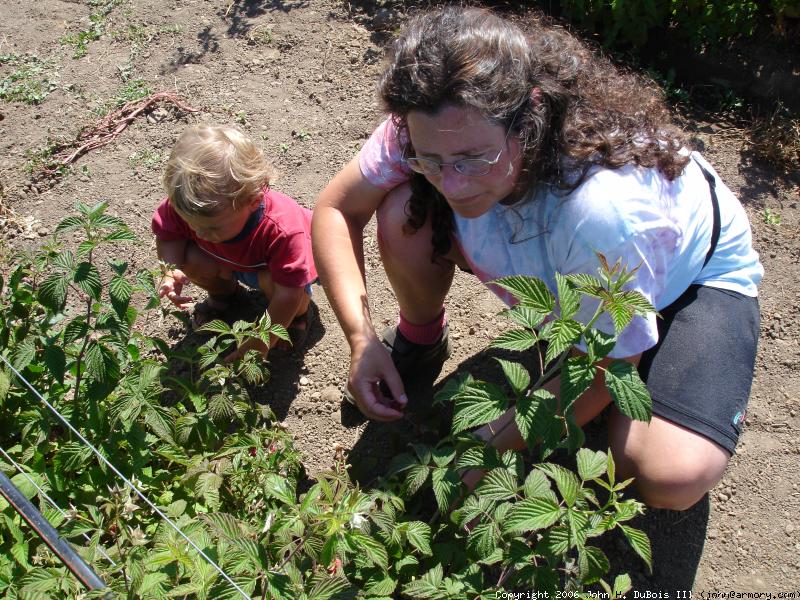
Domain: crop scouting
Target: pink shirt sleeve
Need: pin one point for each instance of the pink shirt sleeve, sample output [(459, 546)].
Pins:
[(167, 225), (381, 157)]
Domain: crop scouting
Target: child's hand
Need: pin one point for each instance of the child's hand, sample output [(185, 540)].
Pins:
[(250, 344), (172, 286)]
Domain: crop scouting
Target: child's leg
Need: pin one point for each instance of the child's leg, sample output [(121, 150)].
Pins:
[(267, 287), (207, 273)]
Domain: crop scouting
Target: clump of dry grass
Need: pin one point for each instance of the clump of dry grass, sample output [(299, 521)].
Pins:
[(775, 139)]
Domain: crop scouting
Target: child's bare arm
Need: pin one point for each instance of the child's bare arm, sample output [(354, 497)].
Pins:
[(173, 252)]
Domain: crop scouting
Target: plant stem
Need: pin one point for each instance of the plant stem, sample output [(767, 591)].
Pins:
[(78, 372)]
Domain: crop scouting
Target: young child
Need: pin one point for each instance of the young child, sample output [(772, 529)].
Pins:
[(222, 226)]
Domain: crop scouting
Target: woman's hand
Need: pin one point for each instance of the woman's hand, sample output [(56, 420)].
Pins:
[(374, 382), (171, 288)]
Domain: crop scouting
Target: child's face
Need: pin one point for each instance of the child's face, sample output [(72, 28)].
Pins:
[(223, 226)]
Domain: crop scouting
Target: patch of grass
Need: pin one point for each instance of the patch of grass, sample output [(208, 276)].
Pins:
[(135, 89), (30, 81), (145, 157), (301, 135), (775, 139), (41, 159), (770, 217), (81, 39)]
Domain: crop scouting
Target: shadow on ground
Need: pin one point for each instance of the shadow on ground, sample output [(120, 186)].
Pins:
[(676, 538)]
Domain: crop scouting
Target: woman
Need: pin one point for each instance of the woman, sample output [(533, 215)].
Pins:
[(522, 153)]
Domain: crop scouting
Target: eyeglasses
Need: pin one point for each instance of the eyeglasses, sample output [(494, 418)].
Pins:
[(471, 167)]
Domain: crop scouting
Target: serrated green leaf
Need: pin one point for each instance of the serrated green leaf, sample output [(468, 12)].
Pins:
[(427, 586), (41, 580), (279, 586), (5, 385), (555, 541), (23, 354), (479, 457), (216, 326), (586, 284), (629, 391), (577, 374), (419, 536), (75, 330), (121, 235), (517, 376), (443, 455), (327, 588), (515, 339), (636, 302), (536, 417), (566, 481), (620, 313), (279, 487), (120, 290), (525, 316), (578, 528), (416, 478), (622, 585), (56, 362), (446, 486), (69, 224), (85, 247), (87, 277), (20, 553), (532, 514), (560, 335), (53, 291), (379, 586), (568, 299), (372, 549), (530, 291), (640, 543), (482, 539), (66, 261), (498, 484), (591, 464), (225, 525), (592, 564), (537, 485), (103, 221), (477, 404)]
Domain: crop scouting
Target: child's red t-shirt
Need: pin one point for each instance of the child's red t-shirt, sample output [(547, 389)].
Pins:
[(279, 243)]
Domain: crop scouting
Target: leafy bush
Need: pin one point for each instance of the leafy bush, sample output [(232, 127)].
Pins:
[(702, 22), (184, 431)]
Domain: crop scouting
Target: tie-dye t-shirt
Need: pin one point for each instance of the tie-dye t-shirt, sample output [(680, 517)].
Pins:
[(632, 214)]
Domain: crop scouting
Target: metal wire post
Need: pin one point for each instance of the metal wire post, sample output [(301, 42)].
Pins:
[(49, 536)]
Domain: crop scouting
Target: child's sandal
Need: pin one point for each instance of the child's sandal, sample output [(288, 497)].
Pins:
[(300, 326)]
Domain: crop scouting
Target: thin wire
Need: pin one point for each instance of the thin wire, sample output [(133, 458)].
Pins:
[(51, 501), (125, 479)]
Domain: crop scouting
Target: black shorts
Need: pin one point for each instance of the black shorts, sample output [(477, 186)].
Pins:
[(700, 372)]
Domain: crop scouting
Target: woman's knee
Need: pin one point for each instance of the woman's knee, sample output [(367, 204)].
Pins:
[(673, 467), (396, 240)]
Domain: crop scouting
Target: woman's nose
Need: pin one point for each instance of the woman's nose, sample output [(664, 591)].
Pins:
[(451, 182)]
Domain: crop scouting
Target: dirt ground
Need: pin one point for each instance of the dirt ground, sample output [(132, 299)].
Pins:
[(299, 77)]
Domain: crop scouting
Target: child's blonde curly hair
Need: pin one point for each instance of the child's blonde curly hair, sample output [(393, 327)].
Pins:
[(214, 168)]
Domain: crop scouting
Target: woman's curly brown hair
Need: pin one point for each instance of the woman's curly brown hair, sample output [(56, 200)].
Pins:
[(571, 108)]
